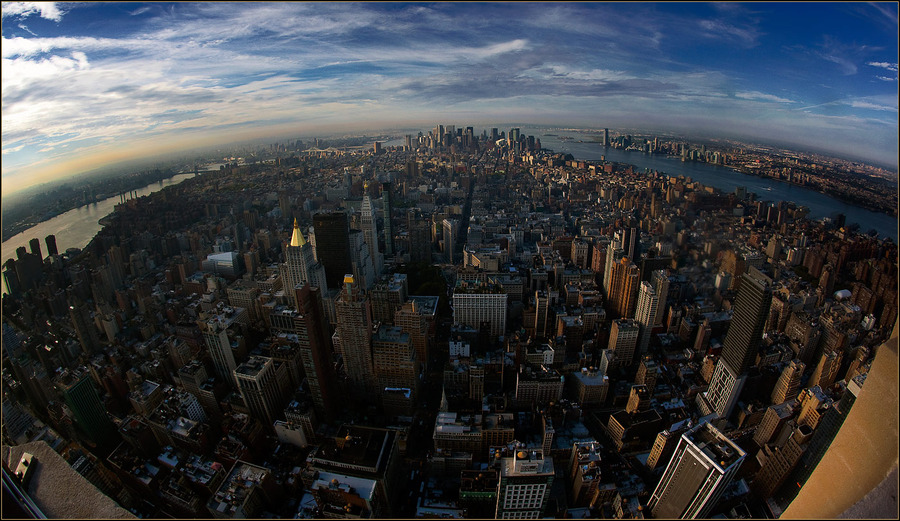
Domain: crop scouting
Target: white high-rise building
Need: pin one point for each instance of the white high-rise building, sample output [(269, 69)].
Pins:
[(724, 388), (524, 485), (474, 303), (370, 230), (703, 465)]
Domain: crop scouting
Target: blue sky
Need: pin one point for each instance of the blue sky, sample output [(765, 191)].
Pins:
[(85, 84)]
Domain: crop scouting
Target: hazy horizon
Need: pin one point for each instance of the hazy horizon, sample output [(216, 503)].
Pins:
[(86, 86)]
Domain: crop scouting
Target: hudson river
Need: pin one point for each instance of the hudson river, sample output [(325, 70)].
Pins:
[(76, 228), (723, 178)]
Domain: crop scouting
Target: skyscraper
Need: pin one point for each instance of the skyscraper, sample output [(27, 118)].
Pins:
[(630, 242), (363, 266), (479, 303), (300, 266), (623, 337), (645, 315), (780, 461), (660, 281), (451, 230), (614, 254), (387, 208), (625, 278), (387, 296), (354, 328), (315, 350), (826, 370), (513, 136), (704, 463), (215, 334), (35, 245), (742, 341), (419, 237), (541, 305), (524, 487), (788, 383), (257, 383), (412, 320), (50, 240), (395, 359), (333, 246), (82, 399), (370, 229)]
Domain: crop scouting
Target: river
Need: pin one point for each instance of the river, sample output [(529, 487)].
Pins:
[(76, 228), (723, 178)]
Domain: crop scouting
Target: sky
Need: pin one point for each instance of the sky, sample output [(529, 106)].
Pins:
[(85, 85)]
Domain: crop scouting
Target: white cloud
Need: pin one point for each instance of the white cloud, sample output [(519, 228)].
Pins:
[(747, 36), (587, 75), (48, 10), (861, 104), (884, 78), (756, 95), (884, 65), (26, 29), (9, 150)]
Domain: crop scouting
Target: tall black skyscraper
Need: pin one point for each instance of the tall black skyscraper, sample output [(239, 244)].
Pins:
[(333, 246), (751, 309), (742, 342), (51, 245), (36, 247), (77, 389), (387, 208), (315, 350)]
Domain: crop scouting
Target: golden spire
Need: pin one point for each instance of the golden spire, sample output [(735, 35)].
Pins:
[(297, 238)]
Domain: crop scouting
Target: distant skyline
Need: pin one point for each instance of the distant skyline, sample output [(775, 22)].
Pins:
[(85, 85)]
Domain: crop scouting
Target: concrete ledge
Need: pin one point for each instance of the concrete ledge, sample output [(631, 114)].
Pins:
[(881, 503), (59, 490)]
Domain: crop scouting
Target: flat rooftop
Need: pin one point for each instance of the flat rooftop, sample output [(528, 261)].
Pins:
[(715, 445), (355, 447)]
